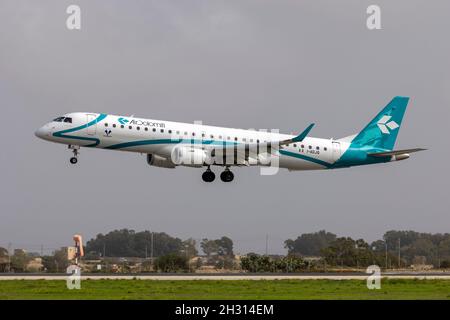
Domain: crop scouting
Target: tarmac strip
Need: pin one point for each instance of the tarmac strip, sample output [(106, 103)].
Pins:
[(225, 277)]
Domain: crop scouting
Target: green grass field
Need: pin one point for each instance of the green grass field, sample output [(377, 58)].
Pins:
[(225, 289)]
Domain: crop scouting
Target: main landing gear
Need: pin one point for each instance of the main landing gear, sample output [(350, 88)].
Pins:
[(225, 176), (208, 175), (75, 150)]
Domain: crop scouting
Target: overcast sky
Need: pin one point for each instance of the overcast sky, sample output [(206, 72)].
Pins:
[(244, 64)]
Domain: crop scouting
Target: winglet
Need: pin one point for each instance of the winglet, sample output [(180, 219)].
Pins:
[(303, 135)]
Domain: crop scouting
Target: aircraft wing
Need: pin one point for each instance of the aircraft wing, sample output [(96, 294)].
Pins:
[(298, 138), (394, 152), (268, 145), (253, 153)]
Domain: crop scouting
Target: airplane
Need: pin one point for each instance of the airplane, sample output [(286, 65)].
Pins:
[(169, 144)]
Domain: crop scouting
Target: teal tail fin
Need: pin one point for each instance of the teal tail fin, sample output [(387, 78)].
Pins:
[(382, 131)]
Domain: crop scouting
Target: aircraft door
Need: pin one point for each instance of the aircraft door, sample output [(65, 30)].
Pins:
[(91, 130), (336, 150)]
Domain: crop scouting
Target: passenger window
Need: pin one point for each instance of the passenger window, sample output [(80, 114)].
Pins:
[(154, 129), (130, 127), (325, 148), (303, 146), (317, 148), (310, 147), (162, 130), (138, 128), (212, 136), (146, 129), (295, 145), (170, 131), (106, 124), (114, 125), (122, 126), (193, 134)]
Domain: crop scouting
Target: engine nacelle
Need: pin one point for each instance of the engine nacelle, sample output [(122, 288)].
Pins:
[(189, 157), (158, 161)]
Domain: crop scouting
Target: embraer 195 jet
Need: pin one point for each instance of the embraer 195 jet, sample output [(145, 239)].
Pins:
[(171, 144)]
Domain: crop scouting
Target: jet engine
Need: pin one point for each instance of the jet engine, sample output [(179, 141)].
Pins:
[(158, 161), (189, 157)]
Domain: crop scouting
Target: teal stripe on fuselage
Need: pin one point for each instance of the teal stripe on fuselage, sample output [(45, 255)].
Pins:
[(306, 158), (356, 155), (167, 141), (62, 134)]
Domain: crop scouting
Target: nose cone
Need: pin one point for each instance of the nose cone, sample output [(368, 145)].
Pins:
[(42, 132)]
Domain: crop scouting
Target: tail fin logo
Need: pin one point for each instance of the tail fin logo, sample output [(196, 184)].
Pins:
[(385, 126)]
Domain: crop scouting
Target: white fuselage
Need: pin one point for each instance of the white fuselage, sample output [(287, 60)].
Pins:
[(159, 138)]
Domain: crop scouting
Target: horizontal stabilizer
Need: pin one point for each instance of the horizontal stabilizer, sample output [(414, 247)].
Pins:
[(394, 152)]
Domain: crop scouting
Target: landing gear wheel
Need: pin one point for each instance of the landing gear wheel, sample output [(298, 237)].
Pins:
[(208, 176), (75, 150), (227, 176)]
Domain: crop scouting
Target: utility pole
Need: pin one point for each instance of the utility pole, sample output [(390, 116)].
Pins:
[(104, 250), (151, 249), (386, 258), (439, 257), (145, 251), (42, 250), (399, 253), (267, 244), (9, 256)]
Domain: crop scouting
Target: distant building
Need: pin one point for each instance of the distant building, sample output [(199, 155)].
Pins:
[(34, 265), (71, 252)]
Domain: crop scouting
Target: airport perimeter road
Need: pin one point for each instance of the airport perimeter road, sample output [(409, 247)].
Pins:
[(228, 276)]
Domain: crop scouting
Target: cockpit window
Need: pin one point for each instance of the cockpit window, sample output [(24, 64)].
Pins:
[(69, 120), (59, 119)]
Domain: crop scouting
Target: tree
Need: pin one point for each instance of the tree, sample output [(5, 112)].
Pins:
[(309, 244), (172, 263), (189, 247), (219, 249), (19, 261), (225, 247), (434, 247), (209, 247), (257, 263), (4, 259), (345, 251), (128, 243), (58, 262)]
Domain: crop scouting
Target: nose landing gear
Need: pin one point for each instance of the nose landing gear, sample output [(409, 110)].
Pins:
[(75, 150)]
